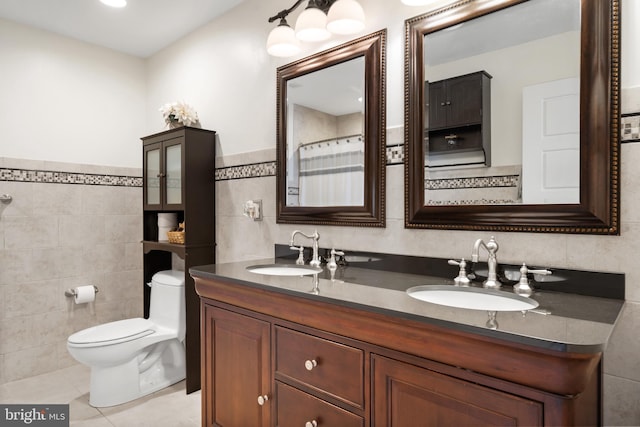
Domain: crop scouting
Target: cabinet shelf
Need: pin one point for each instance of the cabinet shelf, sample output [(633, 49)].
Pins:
[(177, 249)]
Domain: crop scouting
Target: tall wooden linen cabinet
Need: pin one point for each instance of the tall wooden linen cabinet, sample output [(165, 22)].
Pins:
[(179, 177)]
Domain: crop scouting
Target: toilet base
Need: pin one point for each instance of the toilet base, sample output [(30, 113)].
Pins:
[(120, 384)]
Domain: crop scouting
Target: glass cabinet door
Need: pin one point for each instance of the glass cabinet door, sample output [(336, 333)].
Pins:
[(173, 171), (152, 174)]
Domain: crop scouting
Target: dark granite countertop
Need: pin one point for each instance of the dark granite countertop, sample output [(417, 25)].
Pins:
[(563, 321)]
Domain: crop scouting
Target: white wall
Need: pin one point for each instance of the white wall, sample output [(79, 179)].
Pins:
[(630, 40), (68, 101)]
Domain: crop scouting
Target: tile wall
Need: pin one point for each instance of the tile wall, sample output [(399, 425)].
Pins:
[(67, 225)]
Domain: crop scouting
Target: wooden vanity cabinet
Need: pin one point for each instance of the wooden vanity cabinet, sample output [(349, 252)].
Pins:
[(320, 364)]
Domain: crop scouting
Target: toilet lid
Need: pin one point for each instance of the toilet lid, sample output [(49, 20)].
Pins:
[(113, 332)]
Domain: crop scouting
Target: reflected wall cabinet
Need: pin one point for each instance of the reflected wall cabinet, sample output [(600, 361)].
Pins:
[(178, 177), (459, 114)]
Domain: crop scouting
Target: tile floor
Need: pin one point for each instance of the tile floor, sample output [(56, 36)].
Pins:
[(170, 407)]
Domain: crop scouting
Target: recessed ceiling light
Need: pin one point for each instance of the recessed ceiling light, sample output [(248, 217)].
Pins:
[(115, 3)]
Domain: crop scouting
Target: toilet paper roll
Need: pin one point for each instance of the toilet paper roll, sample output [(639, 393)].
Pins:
[(84, 294)]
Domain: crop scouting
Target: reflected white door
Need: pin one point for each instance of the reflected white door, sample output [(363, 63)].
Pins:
[(551, 142)]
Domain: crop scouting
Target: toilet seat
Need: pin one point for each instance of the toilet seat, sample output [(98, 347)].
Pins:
[(112, 333)]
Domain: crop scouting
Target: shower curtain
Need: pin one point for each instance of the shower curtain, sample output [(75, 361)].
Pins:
[(332, 172)]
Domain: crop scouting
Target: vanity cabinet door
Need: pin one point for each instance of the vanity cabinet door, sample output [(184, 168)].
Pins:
[(405, 395), (237, 363)]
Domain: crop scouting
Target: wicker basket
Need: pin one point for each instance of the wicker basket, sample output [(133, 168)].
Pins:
[(176, 237)]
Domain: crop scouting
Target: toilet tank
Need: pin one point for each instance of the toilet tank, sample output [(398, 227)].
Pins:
[(167, 308)]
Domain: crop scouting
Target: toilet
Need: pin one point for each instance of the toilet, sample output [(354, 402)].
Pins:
[(135, 357)]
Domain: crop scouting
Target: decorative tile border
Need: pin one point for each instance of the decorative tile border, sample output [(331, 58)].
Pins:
[(395, 154), (473, 182), (630, 127), (56, 177), (470, 202), (253, 170)]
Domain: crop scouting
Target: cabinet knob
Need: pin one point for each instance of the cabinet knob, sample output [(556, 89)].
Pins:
[(312, 423), (262, 400), (310, 364)]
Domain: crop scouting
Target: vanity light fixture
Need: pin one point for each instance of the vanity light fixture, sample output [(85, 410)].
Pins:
[(317, 22), (114, 3)]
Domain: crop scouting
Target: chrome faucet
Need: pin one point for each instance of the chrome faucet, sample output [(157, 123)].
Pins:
[(492, 281), (315, 260)]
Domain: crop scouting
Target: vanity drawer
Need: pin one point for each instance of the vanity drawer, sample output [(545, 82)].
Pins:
[(328, 366), (297, 408)]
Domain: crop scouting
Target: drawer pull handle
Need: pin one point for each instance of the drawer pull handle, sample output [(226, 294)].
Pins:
[(312, 423), (310, 364), (262, 400)]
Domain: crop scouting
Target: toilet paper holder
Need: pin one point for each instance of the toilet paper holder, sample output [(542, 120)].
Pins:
[(72, 292)]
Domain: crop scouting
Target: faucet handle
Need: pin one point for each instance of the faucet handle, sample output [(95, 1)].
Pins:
[(332, 264), (461, 279), (300, 249), (523, 287)]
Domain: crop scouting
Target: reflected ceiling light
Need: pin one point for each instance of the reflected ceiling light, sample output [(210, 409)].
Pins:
[(114, 3), (317, 22)]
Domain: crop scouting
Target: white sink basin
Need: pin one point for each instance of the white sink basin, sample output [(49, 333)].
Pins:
[(472, 298), (284, 269)]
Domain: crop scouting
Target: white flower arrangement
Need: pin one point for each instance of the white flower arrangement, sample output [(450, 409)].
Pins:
[(179, 112)]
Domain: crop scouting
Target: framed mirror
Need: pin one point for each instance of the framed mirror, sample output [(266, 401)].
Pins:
[(331, 136), (512, 116)]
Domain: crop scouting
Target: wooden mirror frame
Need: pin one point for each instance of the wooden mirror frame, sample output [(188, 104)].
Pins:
[(372, 214), (598, 210)]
